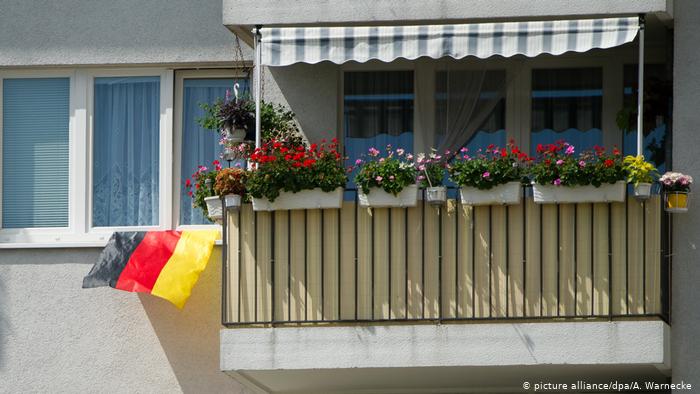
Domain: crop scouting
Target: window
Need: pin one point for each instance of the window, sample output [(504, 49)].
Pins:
[(126, 123), (469, 109), (567, 104), (378, 110), (199, 146), (35, 146), (657, 112)]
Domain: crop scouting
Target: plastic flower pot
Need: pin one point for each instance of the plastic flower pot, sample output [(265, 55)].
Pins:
[(436, 195), (676, 202), (642, 191), (215, 208), (552, 194), (378, 198), (232, 201), (505, 194), (304, 199)]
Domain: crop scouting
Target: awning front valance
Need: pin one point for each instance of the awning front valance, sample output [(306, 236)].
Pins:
[(289, 45)]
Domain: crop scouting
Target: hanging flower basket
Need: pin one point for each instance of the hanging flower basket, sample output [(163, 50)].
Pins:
[(507, 193), (676, 202), (215, 208), (305, 199), (642, 191), (553, 194), (436, 195), (378, 198)]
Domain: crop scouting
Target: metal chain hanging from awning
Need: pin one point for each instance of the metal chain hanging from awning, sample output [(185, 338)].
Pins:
[(289, 45)]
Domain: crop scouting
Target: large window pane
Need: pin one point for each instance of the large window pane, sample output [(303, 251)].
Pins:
[(125, 151), (199, 146), (567, 104), (657, 112), (469, 109), (35, 120), (378, 110)]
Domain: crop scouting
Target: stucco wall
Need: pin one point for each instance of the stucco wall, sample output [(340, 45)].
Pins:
[(36, 32), (57, 337), (685, 348)]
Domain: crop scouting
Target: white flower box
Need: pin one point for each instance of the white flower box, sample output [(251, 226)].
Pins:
[(378, 198), (607, 192), (305, 199), (507, 193), (214, 208)]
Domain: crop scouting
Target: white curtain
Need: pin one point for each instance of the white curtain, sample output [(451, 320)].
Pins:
[(125, 151), (469, 107)]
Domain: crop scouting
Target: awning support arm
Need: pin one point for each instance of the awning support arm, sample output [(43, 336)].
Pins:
[(640, 91), (258, 85)]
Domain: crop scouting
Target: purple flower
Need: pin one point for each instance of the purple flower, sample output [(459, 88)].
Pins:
[(557, 182), (569, 150), (486, 174), (560, 162)]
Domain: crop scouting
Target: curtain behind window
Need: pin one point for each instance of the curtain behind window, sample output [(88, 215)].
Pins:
[(469, 109), (567, 104), (378, 110), (126, 151), (200, 146)]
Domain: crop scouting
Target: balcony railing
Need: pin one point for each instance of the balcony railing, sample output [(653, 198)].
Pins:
[(445, 263)]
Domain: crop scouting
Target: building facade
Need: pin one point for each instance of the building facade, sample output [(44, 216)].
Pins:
[(119, 85)]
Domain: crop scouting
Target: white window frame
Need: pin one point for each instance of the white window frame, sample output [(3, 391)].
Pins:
[(180, 77), (165, 149), (43, 234)]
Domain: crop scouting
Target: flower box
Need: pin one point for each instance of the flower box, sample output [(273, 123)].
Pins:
[(507, 193), (378, 198), (215, 208), (304, 199), (551, 194)]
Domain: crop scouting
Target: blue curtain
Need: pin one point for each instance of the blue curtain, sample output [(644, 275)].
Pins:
[(567, 104), (125, 151), (200, 146), (35, 152)]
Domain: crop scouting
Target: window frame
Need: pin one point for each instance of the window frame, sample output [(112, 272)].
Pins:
[(180, 76)]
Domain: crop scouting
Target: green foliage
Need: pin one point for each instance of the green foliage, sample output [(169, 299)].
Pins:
[(494, 167), (282, 166), (392, 172), (639, 170), (431, 168), (227, 113), (230, 181)]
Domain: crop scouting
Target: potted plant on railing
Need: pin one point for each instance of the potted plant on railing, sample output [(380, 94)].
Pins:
[(230, 183), (201, 189), (490, 177), (676, 189), (641, 174), (431, 172), (291, 176), (388, 180), (561, 176)]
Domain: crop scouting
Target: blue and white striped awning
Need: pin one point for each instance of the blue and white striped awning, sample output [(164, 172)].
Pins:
[(289, 45)]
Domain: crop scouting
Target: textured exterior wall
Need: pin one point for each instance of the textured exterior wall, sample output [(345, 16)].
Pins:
[(57, 337), (35, 32), (686, 228)]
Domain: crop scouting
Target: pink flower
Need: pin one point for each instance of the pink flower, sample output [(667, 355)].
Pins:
[(464, 150), (582, 163), (560, 162), (373, 152), (569, 150), (557, 182), (358, 162), (400, 152), (378, 178), (391, 178), (486, 174), (409, 157), (421, 168), (421, 177), (381, 160)]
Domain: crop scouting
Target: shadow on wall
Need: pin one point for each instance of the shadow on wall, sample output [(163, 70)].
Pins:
[(4, 321), (190, 337)]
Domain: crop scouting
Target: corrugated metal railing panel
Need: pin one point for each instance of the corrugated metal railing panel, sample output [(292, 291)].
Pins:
[(443, 263)]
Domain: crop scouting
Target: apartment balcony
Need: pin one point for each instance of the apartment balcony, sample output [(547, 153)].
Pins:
[(451, 288)]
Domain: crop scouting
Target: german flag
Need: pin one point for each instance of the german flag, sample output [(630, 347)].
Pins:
[(166, 264)]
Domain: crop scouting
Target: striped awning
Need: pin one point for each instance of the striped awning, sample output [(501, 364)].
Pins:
[(289, 45)]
